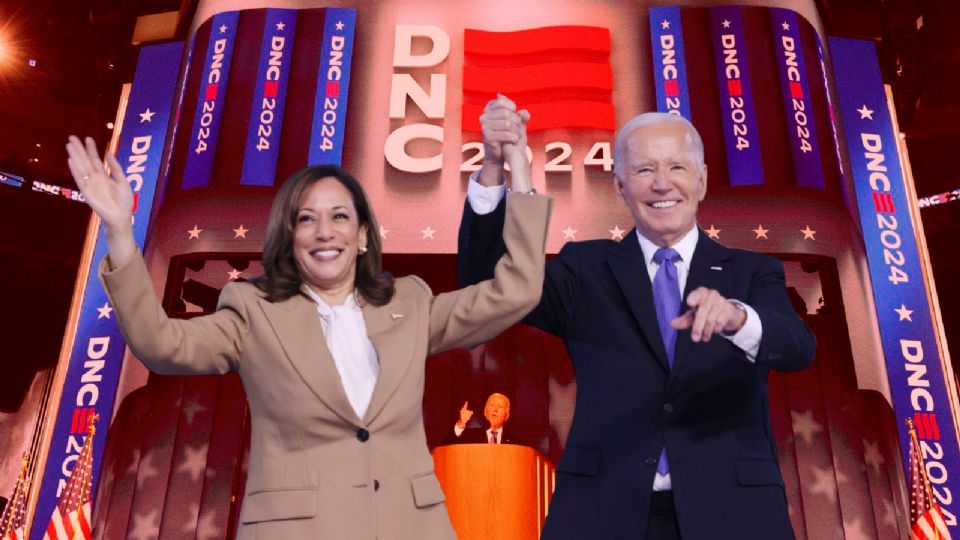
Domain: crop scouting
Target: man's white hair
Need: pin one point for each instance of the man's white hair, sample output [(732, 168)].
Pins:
[(652, 119)]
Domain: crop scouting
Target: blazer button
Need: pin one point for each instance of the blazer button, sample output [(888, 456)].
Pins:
[(668, 407), (376, 485), (363, 435), (650, 462)]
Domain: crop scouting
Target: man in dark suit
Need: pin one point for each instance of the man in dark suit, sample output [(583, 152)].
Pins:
[(496, 411), (671, 336)]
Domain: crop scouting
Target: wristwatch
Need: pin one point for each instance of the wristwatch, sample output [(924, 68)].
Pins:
[(739, 305)]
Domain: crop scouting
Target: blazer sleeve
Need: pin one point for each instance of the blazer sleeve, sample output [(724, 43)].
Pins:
[(209, 344), (478, 313), (787, 344), (479, 246)]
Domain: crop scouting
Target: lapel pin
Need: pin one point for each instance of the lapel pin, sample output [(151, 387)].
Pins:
[(717, 268), (396, 316)]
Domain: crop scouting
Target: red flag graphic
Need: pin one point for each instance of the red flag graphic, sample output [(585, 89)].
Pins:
[(561, 74)]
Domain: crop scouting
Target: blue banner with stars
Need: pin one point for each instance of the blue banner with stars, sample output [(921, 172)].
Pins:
[(669, 61), (269, 99), (210, 101), (736, 97), (96, 354), (333, 85), (914, 366), (795, 89)]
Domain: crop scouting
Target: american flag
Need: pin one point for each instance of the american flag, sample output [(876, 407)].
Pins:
[(926, 519), (71, 517), (12, 524)]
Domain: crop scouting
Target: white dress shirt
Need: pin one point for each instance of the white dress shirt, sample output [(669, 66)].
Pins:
[(484, 199), (458, 431), (353, 352)]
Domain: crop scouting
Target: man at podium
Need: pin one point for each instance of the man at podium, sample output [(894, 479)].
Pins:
[(496, 411)]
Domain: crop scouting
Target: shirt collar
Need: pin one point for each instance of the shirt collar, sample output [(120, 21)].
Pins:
[(685, 247)]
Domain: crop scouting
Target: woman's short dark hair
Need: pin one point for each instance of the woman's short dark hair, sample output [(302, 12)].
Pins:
[(282, 277)]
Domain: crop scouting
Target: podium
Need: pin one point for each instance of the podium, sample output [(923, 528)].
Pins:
[(495, 491)]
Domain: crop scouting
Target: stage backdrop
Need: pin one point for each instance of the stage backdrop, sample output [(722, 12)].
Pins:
[(392, 91)]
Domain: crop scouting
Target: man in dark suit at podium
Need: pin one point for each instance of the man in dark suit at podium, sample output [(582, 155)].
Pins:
[(671, 336), (496, 411)]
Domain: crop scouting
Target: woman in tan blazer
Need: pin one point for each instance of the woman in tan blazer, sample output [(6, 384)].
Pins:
[(338, 449)]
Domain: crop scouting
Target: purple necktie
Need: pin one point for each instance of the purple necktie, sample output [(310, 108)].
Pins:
[(493, 436), (666, 298)]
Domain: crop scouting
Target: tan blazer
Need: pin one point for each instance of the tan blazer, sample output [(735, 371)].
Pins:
[(316, 469)]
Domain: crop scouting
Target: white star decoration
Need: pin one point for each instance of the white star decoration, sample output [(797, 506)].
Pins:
[(194, 233), (145, 525), (280, 25), (384, 232), (761, 232), (427, 233), (339, 25), (207, 527), (194, 462), (726, 23), (805, 426), (134, 463), (234, 274), (852, 530), (889, 514), (865, 113), (872, 456), (665, 24), (785, 25), (145, 470), (104, 311), (223, 29), (240, 232), (569, 233), (713, 232), (825, 482), (190, 526), (808, 233), (147, 115), (904, 313), (191, 409), (616, 233)]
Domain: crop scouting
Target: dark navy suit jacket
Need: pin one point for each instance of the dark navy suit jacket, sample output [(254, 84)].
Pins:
[(710, 410)]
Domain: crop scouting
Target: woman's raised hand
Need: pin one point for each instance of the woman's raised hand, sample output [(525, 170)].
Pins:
[(108, 194)]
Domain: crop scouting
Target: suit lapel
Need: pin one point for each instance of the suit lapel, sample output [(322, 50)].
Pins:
[(628, 268), (297, 327), (393, 330), (707, 269)]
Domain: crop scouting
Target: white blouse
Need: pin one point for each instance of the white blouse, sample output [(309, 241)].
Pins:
[(353, 352)]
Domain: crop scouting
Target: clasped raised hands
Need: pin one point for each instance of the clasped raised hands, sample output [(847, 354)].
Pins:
[(504, 131)]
